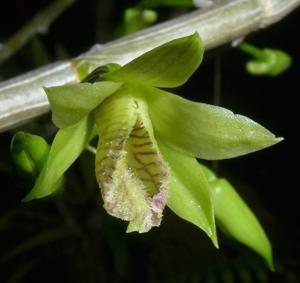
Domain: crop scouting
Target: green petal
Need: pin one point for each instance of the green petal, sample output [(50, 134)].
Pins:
[(70, 103), (236, 219), (203, 130), (189, 195), (169, 65), (129, 167), (67, 146)]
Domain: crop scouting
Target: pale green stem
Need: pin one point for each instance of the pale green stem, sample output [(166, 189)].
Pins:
[(251, 50), (38, 24), (91, 149), (23, 98)]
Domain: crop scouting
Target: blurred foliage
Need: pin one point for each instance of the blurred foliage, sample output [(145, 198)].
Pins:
[(135, 19), (171, 3), (71, 239), (38, 24)]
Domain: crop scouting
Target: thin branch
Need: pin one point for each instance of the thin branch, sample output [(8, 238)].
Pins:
[(38, 24), (23, 98)]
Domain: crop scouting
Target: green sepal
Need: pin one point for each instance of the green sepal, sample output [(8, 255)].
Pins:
[(235, 218), (202, 130), (71, 103), (238, 221), (209, 174), (189, 195), (66, 147), (29, 153), (169, 65)]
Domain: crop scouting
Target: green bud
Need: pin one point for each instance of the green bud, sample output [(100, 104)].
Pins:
[(266, 62), (274, 63), (29, 153)]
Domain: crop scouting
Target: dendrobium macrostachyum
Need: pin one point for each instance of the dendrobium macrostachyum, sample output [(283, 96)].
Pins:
[(149, 139)]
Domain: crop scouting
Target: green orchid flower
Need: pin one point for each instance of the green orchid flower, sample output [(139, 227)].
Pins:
[(149, 139)]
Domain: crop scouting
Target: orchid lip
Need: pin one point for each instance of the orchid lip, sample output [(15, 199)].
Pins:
[(130, 170)]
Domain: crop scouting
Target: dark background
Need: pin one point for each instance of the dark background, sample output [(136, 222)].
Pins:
[(71, 238)]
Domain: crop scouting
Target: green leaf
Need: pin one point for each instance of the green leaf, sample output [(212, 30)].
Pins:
[(203, 130), (238, 220), (71, 103), (29, 153), (67, 146), (169, 65), (189, 195)]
